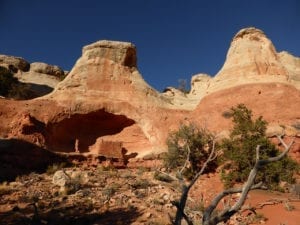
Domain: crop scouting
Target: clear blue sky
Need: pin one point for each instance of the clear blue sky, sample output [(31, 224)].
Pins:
[(174, 39)]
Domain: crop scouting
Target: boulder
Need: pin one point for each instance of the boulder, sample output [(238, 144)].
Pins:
[(44, 68), (61, 179), (14, 63)]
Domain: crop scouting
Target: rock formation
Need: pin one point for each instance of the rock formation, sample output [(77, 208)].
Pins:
[(252, 58), (251, 53), (103, 98), (14, 63), (105, 103), (40, 78), (40, 67)]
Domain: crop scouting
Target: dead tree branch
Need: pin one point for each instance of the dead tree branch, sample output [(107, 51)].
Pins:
[(208, 219), (187, 160), (186, 188)]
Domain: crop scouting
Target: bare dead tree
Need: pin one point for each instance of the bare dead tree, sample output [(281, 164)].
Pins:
[(208, 217), (180, 214)]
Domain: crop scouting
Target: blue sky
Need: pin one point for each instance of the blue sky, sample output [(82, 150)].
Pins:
[(174, 39)]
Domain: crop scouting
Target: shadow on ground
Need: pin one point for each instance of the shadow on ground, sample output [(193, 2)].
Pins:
[(29, 216), (18, 157)]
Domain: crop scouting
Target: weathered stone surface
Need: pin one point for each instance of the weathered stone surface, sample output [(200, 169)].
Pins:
[(252, 53), (44, 68), (119, 52), (14, 63), (252, 58), (199, 85), (102, 80), (61, 179), (104, 97), (40, 77), (108, 149), (274, 130), (292, 65)]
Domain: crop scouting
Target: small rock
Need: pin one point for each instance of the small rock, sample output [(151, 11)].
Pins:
[(60, 178), (148, 215)]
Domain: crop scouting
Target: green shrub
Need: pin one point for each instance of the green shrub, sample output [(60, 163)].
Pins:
[(109, 191), (162, 177), (141, 184), (189, 137), (240, 151)]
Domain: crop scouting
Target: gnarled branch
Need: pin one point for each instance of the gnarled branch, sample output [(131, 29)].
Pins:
[(227, 213), (186, 188)]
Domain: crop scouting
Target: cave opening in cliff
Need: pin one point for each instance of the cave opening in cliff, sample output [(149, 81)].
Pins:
[(80, 131)]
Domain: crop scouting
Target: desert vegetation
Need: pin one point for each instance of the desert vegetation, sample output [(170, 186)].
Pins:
[(247, 157), (239, 152)]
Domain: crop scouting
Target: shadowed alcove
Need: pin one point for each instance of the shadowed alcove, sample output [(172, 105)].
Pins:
[(85, 128)]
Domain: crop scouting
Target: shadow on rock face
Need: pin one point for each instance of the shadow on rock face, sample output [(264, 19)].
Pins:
[(18, 157), (86, 128), (39, 89)]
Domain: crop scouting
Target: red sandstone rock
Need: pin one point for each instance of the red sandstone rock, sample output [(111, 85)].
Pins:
[(104, 97)]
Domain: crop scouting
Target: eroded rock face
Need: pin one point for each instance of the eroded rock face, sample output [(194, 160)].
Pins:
[(103, 98), (105, 104), (252, 53), (292, 65), (123, 53), (40, 78), (14, 63), (44, 68), (85, 128), (199, 85), (251, 58)]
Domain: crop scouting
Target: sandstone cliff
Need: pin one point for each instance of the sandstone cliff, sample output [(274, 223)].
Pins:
[(251, 58), (104, 100)]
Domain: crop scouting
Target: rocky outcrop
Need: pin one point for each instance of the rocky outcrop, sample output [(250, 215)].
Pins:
[(105, 84), (252, 53), (40, 78), (14, 63), (104, 104), (199, 85), (292, 65), (123, 53), (103, 98), (251, 58), (44, 68)]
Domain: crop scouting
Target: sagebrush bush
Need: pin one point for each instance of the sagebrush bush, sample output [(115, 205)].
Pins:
[(198, 140), (162, 177), (240, 150)]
